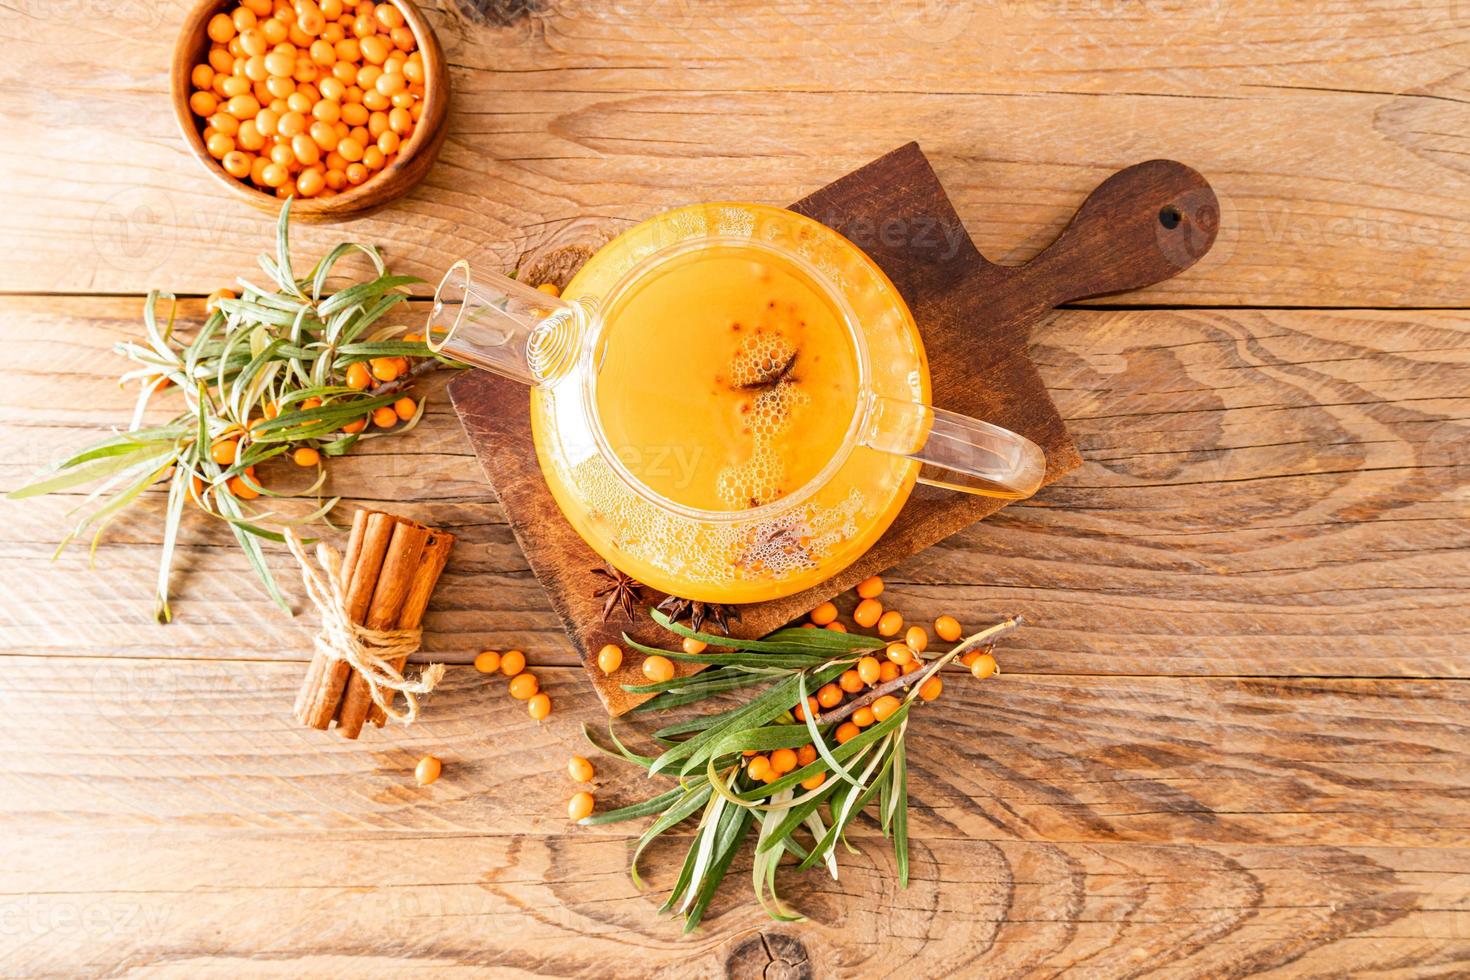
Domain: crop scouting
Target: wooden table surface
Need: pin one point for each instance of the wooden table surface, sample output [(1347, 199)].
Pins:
[(1236, 736)]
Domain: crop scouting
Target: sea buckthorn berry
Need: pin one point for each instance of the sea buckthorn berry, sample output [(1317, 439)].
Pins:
[(824, 614), (783, 761), (610, 658), (211, 302), (759, 767), (814, 782), (869, 670), (694, 647), (846, 732), (305, 150), (388, 16), (867, 612), (806, 755), (236, 85), (579, 807), (384, 417), (488, 661), (808, 709), (836, 627), (427, 770), (512, 662), (243, 106), (223, 122), (580, 769), (884, 707), (890, 623), (358, 376), (224, 452), (203, 103), (830, 696), (236, 164), (310, 183), (549, 288), (202, 76), (899, 654), (863, 717), (658, 669), (405, 408), (983, 666), (539, 705), (968, 658), (306, 456), (850, 681), (931, 689), (870, 588), (220, 28), (887, 671), (523, 685), (384, 368), (910, 667), (352, 428), (274, 175), (947, 628)]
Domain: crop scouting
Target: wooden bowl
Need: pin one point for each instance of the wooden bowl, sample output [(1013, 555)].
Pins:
[(409, 166)]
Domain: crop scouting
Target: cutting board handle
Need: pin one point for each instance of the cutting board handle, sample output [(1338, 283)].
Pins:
[(1141, 226)]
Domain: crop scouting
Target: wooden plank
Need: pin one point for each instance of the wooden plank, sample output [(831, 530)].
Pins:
[(148, 744), (1059, 822), (617, 115), (186, 904), (1266, 492)]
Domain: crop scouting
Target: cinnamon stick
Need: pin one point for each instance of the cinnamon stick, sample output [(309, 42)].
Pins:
[(362, 582), (426, 576), (317, 669), (395, 580)]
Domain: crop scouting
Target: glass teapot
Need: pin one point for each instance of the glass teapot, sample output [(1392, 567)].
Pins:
[(730, 402)]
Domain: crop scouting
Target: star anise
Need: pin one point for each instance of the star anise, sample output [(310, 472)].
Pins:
[(697, 612), (622, 592)]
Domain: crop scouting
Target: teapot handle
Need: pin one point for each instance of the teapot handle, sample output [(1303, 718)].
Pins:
[(961, 453)]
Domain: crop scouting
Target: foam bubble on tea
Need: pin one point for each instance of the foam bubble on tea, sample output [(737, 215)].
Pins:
[(728, 380)]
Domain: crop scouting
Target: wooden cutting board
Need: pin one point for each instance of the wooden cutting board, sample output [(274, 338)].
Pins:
[(1140, 226)]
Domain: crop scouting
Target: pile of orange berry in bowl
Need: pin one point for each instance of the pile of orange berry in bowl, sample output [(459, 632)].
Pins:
[(339, 104)]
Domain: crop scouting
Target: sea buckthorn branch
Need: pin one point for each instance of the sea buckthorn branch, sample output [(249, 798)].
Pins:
[(792, 757), (285, 369), (980, 641)]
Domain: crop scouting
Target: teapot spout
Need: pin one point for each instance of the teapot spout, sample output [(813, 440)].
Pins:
[(497, 324)]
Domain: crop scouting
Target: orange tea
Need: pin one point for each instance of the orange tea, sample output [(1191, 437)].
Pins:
[(727, 379)]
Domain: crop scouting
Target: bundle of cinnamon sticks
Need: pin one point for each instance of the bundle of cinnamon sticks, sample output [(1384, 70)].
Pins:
[(389, 572)]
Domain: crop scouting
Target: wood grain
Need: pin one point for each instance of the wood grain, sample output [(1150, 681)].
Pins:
[(1336, 140), (1068, 822)]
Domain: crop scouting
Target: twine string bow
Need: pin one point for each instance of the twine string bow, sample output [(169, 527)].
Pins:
[(368, 651)]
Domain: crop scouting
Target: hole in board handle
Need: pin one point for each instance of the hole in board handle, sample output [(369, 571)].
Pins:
[(1169, 216)]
